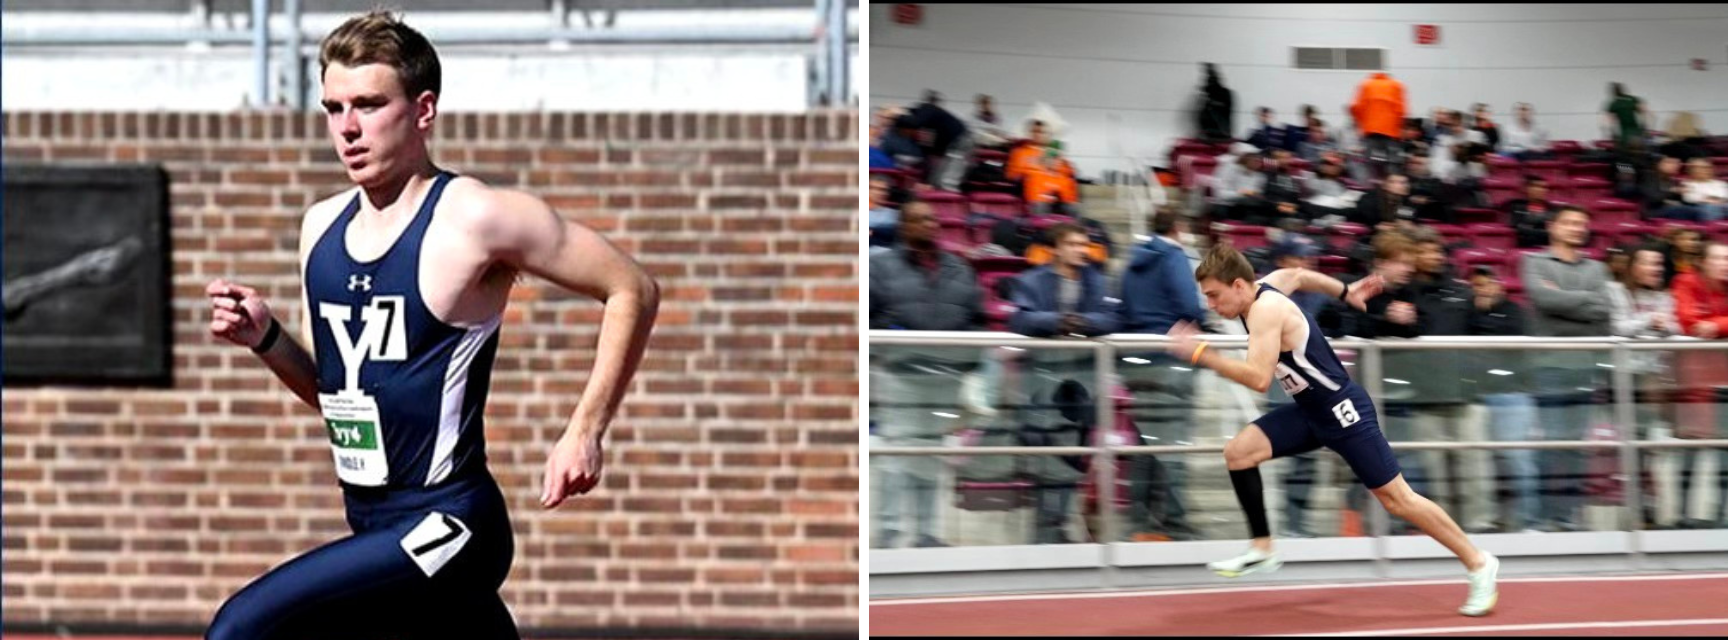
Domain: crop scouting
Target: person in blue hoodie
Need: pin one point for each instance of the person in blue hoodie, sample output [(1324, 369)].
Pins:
[(1066, 296), (1158, 290)]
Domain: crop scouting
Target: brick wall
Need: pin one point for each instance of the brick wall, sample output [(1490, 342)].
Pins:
[(730, 497)]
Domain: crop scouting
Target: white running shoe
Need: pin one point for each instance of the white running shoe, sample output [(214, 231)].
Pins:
[(1483, 592), (1254, 561)]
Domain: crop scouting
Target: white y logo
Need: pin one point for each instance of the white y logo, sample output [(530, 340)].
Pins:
[(383, 335), (357, 282)]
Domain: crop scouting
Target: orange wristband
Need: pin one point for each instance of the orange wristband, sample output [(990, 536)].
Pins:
[(1196, 358)]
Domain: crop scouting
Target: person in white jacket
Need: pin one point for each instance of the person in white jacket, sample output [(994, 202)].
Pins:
[(1640, 306)]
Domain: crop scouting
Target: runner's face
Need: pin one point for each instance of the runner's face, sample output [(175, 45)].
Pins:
[(373, 125), (1227, 300)]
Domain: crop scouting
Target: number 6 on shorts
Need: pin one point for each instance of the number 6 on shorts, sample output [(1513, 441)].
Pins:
[(1346, 413)]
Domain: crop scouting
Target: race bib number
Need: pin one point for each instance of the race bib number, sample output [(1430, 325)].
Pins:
[(435, 541), (1346, 413), (1292, 383), (356, 441)]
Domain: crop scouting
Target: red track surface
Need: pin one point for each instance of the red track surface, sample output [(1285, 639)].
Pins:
[(1273, 609)]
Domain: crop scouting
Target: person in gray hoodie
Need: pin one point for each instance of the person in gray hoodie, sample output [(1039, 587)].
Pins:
[(917, 286), (1569, 297), (1158, 290)]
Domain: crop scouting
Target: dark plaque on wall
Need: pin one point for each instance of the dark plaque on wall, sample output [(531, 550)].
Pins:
[(86, 275)]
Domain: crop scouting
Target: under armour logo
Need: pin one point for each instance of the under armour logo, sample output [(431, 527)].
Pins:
[(358, 282)]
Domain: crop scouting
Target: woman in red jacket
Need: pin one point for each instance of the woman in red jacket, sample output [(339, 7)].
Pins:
[(1701, 306)]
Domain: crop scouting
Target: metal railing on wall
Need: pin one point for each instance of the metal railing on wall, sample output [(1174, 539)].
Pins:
[(829, 53), (1370, 353)]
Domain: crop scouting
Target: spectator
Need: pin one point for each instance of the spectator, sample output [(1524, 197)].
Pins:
[(918, 286), (882, 124), (1436, 124), (1704, 192), (1685, 251), (898, 143), (1270, 135), (985, 127), (1065, 297), (1283, 179), (1216, 107), (1415, 141), (1158, 291), (1439, 411), (1664, 192), (1387, 205), (1511, 411), (1685, 139), (1047, 179), (1317, 143), (983, 111), (1619, 263), (1482, 123), (1523, 139), (1328, 200), (1429, 195), (1448, 145), (1624, 116), (1701, 310), (1238, 189), (1297, 134), (1393, 312), (939, 130), (1530, 213), (1640, 306), (1568, 292), (1351, 150), (1379, 108), (883, 216)]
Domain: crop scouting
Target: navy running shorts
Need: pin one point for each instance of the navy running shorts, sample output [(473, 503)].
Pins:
[(1346, 423), (422, 563)]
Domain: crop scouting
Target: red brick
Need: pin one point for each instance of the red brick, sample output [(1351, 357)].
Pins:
[(746, 388)]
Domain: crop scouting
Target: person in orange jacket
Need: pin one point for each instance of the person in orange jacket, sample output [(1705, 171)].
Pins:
[(1701, 306), (1047, 177), (1379, 112)]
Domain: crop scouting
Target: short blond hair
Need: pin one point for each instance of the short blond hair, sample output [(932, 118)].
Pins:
[(379, 37), (1224, 264)]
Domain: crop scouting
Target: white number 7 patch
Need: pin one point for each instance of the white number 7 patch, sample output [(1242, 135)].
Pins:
[(435, 541), (1346, 412)]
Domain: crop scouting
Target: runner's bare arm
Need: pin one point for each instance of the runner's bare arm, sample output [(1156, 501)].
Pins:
[(1265, 327), (1298, 279), (522, 231)]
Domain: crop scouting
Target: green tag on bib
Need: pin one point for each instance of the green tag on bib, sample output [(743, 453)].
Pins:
[(352, 434)]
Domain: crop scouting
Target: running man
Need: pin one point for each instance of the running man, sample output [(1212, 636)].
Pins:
[(1329, 410), (406, 279)]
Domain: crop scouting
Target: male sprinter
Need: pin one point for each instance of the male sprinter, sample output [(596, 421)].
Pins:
[(406, 278), (1329, 410)]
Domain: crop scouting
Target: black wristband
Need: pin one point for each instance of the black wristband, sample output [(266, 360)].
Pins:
[(270, 336), (1345, 293)]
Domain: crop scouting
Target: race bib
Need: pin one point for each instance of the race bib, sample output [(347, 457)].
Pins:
[(351, 418)]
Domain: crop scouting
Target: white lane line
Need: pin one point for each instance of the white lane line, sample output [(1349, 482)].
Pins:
[(1510, 627), (1288, 587)]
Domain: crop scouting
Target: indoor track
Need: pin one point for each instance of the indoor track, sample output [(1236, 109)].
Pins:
[(1674, 604)]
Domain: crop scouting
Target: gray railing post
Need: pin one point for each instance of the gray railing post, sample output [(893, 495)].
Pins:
[(260, 53), (1104, 459), (1626, 415)]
